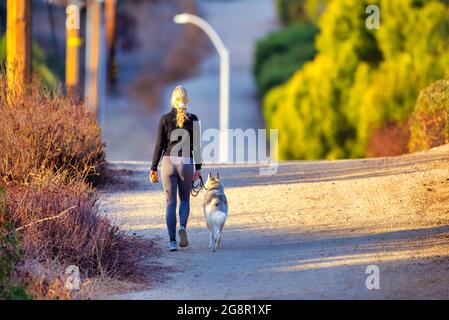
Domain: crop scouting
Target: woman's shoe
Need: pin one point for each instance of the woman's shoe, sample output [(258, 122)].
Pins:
[(184, 242), (173, 246)]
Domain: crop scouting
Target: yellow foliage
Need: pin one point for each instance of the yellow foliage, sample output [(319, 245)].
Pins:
[(360, 78)]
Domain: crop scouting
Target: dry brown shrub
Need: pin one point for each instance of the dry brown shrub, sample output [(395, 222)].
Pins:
[(81, 236), (50, 151), (47, 131), (389, 140), (45, 280), (430, 119)]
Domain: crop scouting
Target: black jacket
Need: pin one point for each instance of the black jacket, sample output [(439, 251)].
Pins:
[(174, 141)]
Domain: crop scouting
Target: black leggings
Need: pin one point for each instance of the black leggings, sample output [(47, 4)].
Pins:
[(176, 176)]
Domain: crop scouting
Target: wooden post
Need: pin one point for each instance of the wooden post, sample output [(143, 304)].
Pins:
[(93, 54), (18, 45), (73, 43), (111, 25)]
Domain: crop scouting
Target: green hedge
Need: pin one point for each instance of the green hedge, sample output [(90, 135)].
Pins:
[(360, 79), (280, 54)]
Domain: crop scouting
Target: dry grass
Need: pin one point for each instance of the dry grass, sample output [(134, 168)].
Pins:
[(80, 237), (51, 155), (45, 131)]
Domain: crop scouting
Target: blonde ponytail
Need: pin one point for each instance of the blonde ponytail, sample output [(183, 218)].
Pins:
[(179, 101), (181, 116)]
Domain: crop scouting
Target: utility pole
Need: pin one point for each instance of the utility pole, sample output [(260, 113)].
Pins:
[(111, 25), (93, 55), (18, 45), (73, 43)]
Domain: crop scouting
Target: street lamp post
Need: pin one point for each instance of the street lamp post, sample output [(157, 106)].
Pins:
[(185, 18)]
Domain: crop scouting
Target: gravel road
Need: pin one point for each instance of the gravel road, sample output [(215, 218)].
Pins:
[(310, 231)]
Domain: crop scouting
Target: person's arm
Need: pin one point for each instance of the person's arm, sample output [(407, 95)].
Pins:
[(196, 149), (161, 144)]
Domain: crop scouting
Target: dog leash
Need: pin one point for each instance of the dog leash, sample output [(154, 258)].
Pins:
[(197, 188)]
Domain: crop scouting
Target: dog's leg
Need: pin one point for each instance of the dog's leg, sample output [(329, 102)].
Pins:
[(209, 226), (217, 237), (218, 240), (211, 241)]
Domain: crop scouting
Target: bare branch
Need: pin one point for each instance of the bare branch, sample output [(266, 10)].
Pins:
[(46, 219)]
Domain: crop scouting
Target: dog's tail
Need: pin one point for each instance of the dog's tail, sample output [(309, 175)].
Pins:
[(217, 200)]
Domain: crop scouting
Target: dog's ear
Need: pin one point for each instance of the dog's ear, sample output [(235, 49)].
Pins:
[(217, 177), (209, 175)]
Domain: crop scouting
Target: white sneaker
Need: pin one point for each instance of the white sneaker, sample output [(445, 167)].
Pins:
[(183, 241), (173, 246)]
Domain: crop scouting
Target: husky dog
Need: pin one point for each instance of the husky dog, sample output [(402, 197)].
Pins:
[(215, 206)]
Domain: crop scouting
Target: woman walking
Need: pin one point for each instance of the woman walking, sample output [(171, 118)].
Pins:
[(178, 142)]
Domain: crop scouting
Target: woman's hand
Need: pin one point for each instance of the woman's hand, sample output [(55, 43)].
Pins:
[(153, 176), (196, 175)]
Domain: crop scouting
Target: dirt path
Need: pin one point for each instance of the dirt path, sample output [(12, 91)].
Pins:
[(308, 232)]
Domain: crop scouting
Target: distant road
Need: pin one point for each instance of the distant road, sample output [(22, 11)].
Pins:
[(240, 24), (129, 127)]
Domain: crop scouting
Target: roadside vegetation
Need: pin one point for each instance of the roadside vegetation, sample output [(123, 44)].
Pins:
[(430, 120), (40, 63), (357, 96), (280, 54), (51, 159), (291, 11)]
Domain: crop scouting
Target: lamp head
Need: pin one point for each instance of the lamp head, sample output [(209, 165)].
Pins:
[(181, 18)]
